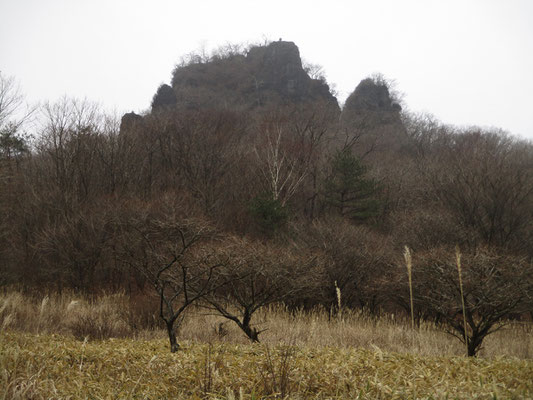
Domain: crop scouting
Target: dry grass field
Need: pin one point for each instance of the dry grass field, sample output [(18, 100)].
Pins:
[(69, 347)]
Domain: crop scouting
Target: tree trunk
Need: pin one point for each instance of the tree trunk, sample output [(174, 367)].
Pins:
[(250, 332), (474, 343), (174, 346)]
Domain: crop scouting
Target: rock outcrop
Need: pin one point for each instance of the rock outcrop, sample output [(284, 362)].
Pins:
[(164, 98), (130, 121), (371, 103), (265, 75), (372, 115), (273, 75), (372, 95)]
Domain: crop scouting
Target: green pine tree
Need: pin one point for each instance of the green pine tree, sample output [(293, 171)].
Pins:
[(269, 214), (348, 190)]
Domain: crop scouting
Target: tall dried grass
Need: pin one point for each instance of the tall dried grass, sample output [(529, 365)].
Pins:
[(113, 315), (117, 315)]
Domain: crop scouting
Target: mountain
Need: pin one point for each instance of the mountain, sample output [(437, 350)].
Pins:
[(271, 76)]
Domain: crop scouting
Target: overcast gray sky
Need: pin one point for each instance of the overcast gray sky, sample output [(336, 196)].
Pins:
[(465, 61)]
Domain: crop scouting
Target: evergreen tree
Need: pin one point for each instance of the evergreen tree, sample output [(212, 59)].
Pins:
[(348, 190), (269, 214)]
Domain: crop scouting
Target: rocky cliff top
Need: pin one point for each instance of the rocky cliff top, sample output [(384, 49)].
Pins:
[(371, 105), (261, 76)]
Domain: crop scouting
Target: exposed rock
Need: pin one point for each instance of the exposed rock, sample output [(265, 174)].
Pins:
[(266, 75), (371, 114), (371, 106), (129, 121), (370, 95), (164, 98), (278, 69)]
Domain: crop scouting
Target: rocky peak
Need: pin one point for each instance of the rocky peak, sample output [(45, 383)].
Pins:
[(164, 98), (271, 74), (371, 110), (371, 105), (370, 95), (129, 121)]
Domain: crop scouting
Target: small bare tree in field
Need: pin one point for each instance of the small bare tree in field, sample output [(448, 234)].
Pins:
[(168, 250), (256, 275), (495, 287)]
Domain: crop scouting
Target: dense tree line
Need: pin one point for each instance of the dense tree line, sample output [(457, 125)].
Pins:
[(281, 203)]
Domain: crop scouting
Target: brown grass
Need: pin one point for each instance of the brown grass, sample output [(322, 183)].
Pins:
[(118, 316), (59, 367), (114, 315), (303, 355)]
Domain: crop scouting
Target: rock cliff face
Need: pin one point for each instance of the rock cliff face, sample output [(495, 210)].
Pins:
[(372, 95), (371, 98), (271, 74), (371, 111), (129, 121), (164, 98), (278, 69)]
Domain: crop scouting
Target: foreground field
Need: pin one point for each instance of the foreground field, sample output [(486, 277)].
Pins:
[(51, 347), (55, 366)]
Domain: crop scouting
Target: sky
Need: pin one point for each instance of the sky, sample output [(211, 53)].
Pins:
[(467, 62)]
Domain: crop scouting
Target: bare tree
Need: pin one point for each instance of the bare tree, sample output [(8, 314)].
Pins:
[(73, 247), (495, 287), (256, 275), (485, 180), (282, 173), (315, 71), (68, 151), (13, 110), (290, 143), (167, 249), (13, 114), (14, 149), (204, 148)]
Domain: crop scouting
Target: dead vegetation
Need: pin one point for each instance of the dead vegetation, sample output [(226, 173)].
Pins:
[(52, 366), (119, 316), (51, 347)]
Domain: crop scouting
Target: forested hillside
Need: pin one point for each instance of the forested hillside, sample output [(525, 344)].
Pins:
[(245, 184)]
